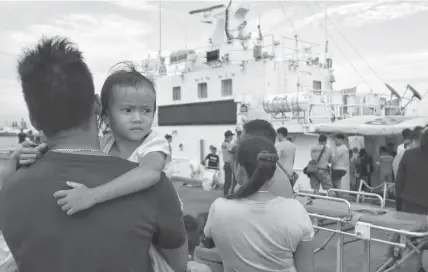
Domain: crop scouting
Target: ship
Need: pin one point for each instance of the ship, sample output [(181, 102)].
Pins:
[(244, 74)]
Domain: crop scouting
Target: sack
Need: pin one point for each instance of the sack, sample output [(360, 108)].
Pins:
[(158, 262), (312, 167)]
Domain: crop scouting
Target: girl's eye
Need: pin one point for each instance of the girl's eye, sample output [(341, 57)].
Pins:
[(128, 110), (147, 111)]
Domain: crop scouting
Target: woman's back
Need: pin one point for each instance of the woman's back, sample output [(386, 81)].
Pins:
[(258, 235)]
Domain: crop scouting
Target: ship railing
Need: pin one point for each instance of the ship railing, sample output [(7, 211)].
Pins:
[(251, 42)]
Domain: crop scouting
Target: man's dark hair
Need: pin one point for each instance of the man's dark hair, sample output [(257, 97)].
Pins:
[(322, 138), (57, 85), (424, 141), (283, 131), (260, 128), (406, 133), (124, 73), (417, 133), (167, 136), (340, 136)]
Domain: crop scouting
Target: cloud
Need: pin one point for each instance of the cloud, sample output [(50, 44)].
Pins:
[(104, 39), (399, 69), (138, 5), (385, 12), (358, 14)]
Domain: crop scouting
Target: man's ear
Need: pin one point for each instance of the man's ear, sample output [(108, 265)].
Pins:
[(97, 105), (34, 123)]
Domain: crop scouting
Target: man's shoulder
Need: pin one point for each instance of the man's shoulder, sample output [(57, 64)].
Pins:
[(163, 186)]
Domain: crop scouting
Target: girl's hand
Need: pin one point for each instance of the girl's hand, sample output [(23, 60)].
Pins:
[(28, 155), (77, 199)]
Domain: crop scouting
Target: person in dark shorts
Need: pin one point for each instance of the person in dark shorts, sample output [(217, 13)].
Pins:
[(340, 162), (113, 236), (321, 154), (213, 159), (22, 136)]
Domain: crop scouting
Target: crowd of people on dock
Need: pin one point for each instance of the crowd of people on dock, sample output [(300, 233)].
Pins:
[(80, 203)]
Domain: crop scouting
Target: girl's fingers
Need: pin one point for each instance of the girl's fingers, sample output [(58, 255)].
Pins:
[(27, 162), (73, 184), (70, 212), (61, 202), (60, 194), (66, 207), (27, 156)]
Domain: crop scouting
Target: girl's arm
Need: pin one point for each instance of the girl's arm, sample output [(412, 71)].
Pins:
[(304, 257), (80, 197), (146, 175)]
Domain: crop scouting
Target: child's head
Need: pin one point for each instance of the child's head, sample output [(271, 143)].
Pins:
[(213, 150), (255, 165), (128, 99)]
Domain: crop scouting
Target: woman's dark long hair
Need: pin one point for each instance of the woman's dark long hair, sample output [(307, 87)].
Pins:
[(258, 157)]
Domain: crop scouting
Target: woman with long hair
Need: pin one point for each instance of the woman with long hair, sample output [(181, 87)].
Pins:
[(254, 230)]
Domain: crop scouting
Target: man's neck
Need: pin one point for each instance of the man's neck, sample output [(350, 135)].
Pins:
[(75, 139), (126, 147)]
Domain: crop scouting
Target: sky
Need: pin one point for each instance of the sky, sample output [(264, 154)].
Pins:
[(371, 42)]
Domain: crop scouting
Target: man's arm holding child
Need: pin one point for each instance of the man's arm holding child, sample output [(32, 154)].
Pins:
[(171, 238)]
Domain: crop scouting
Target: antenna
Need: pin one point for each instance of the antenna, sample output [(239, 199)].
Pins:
[(414, 92), (206, 9), (160, 28), (393, 91), (326, 34)]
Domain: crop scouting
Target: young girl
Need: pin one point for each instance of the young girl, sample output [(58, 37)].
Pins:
[(129, 103)]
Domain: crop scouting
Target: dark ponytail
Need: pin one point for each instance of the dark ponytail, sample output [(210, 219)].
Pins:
[(258, 157)]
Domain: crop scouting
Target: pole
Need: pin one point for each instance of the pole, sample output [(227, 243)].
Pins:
[(160, 28)]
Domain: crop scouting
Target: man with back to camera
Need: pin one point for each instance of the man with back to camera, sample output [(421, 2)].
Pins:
[(281, 186), (226, 147), (286, 152), (113, 236), (340, 162)]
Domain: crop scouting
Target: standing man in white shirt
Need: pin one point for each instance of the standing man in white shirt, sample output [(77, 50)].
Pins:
[(226, 147), (286, 152), (407, 139), (340, 163)]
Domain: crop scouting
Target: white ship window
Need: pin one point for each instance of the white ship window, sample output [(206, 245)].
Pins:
[(226, 87), (202, 90), (317, 85), (176, 93)]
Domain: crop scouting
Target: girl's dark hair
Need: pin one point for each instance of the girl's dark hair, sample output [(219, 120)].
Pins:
[(124, 73), (258, 157)]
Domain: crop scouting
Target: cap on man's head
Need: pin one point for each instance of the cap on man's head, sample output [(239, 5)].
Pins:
[(228, 133)]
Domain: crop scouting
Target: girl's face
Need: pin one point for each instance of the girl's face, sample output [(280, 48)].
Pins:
[(131, 111)]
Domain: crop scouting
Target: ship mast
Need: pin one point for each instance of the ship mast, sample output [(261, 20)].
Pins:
[(160, 29), (326, 35)]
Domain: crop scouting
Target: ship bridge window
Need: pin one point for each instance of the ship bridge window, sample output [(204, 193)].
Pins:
[(176, 93), (202, 90), (226, 87), (317, 85)]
